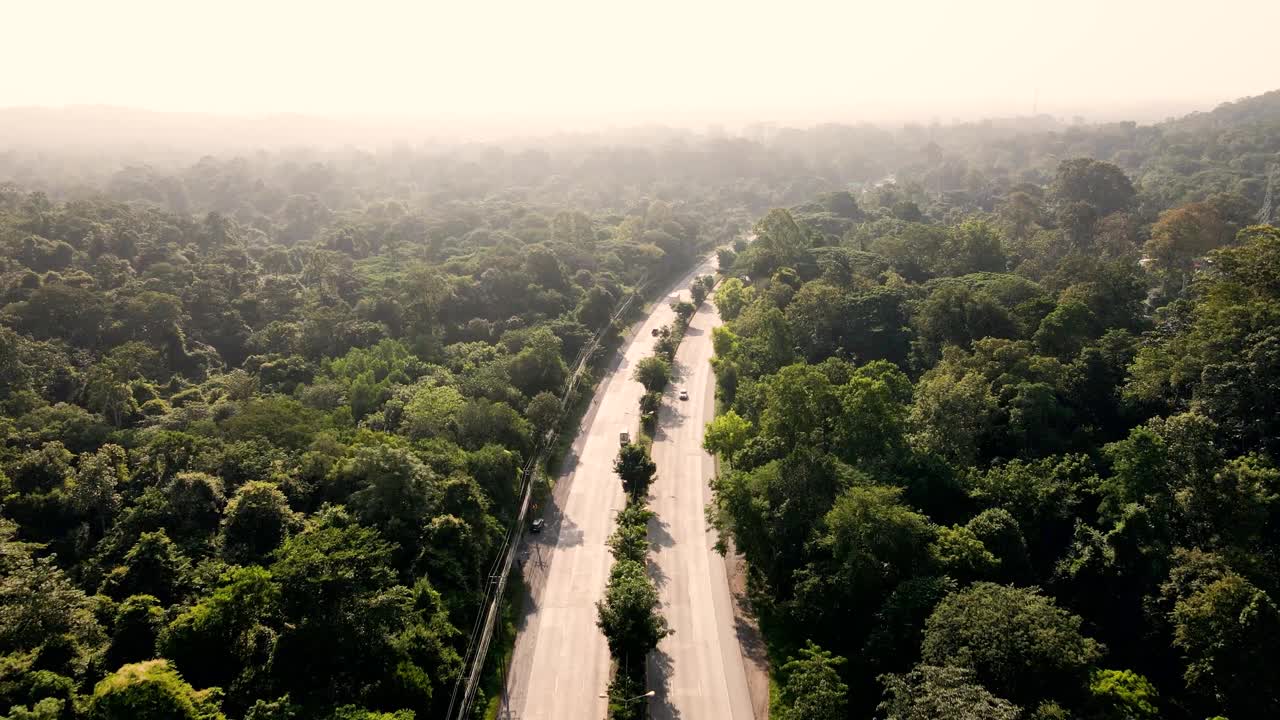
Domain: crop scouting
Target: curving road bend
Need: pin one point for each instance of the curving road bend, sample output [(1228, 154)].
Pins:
[(560, 664)]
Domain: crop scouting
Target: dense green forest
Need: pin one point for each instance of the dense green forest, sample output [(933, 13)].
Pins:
[(279, 452), (1016, 461), (998, 433)]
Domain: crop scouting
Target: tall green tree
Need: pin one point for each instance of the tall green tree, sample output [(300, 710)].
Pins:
[(257, 521), (151, 691), (1228, 632), (930, 692), (1018, 642), (653, 372), (636, 469), (1100, 184), (628, 614), (813, 688)]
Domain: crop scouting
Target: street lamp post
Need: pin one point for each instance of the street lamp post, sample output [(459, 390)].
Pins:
[(649, 694)]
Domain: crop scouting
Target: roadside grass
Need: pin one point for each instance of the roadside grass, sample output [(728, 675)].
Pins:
[(775, 697)]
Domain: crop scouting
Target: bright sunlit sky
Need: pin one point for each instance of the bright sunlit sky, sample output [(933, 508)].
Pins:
[(709, 60)]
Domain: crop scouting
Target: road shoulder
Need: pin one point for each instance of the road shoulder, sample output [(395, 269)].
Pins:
[(755, 657)]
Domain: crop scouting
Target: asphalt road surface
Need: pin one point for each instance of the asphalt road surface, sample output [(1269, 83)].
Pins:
[(560, 664), (698, 671)]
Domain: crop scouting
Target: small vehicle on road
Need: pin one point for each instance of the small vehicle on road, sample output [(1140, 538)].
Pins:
[(537, 525), (684, 394), (624, 438)]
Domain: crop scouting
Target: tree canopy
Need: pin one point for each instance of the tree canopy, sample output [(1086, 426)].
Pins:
[(1012, 450), (999, 429)]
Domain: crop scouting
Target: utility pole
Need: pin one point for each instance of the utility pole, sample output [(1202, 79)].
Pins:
[(467, 682)]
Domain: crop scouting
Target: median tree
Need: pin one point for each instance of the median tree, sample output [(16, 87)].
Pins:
[(628, 615), (698, 292), (650, 402), (684, 312), (627, 699), (636, 469), (653, 372)]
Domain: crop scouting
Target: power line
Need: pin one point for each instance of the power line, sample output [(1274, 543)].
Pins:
[(495, 589)]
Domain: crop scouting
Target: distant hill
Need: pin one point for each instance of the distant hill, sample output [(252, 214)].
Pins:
[(131, 131), (1263, 108)]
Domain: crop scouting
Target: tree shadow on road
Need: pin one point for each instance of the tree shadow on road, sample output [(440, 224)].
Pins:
[(565, 532), (670, 415), (678, 371), (659, 536), (658, 433), (749, 639), (568, 463), (529, 604), (657, 575), (676, 417), (660, 705)]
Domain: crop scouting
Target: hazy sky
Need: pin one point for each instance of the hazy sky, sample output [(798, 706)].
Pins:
[(791, 60)]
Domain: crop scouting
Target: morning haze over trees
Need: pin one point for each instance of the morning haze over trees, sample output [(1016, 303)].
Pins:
[(997, 431)]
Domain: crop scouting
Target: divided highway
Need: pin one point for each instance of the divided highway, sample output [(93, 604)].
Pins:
[(560, 665), (699, 670)]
